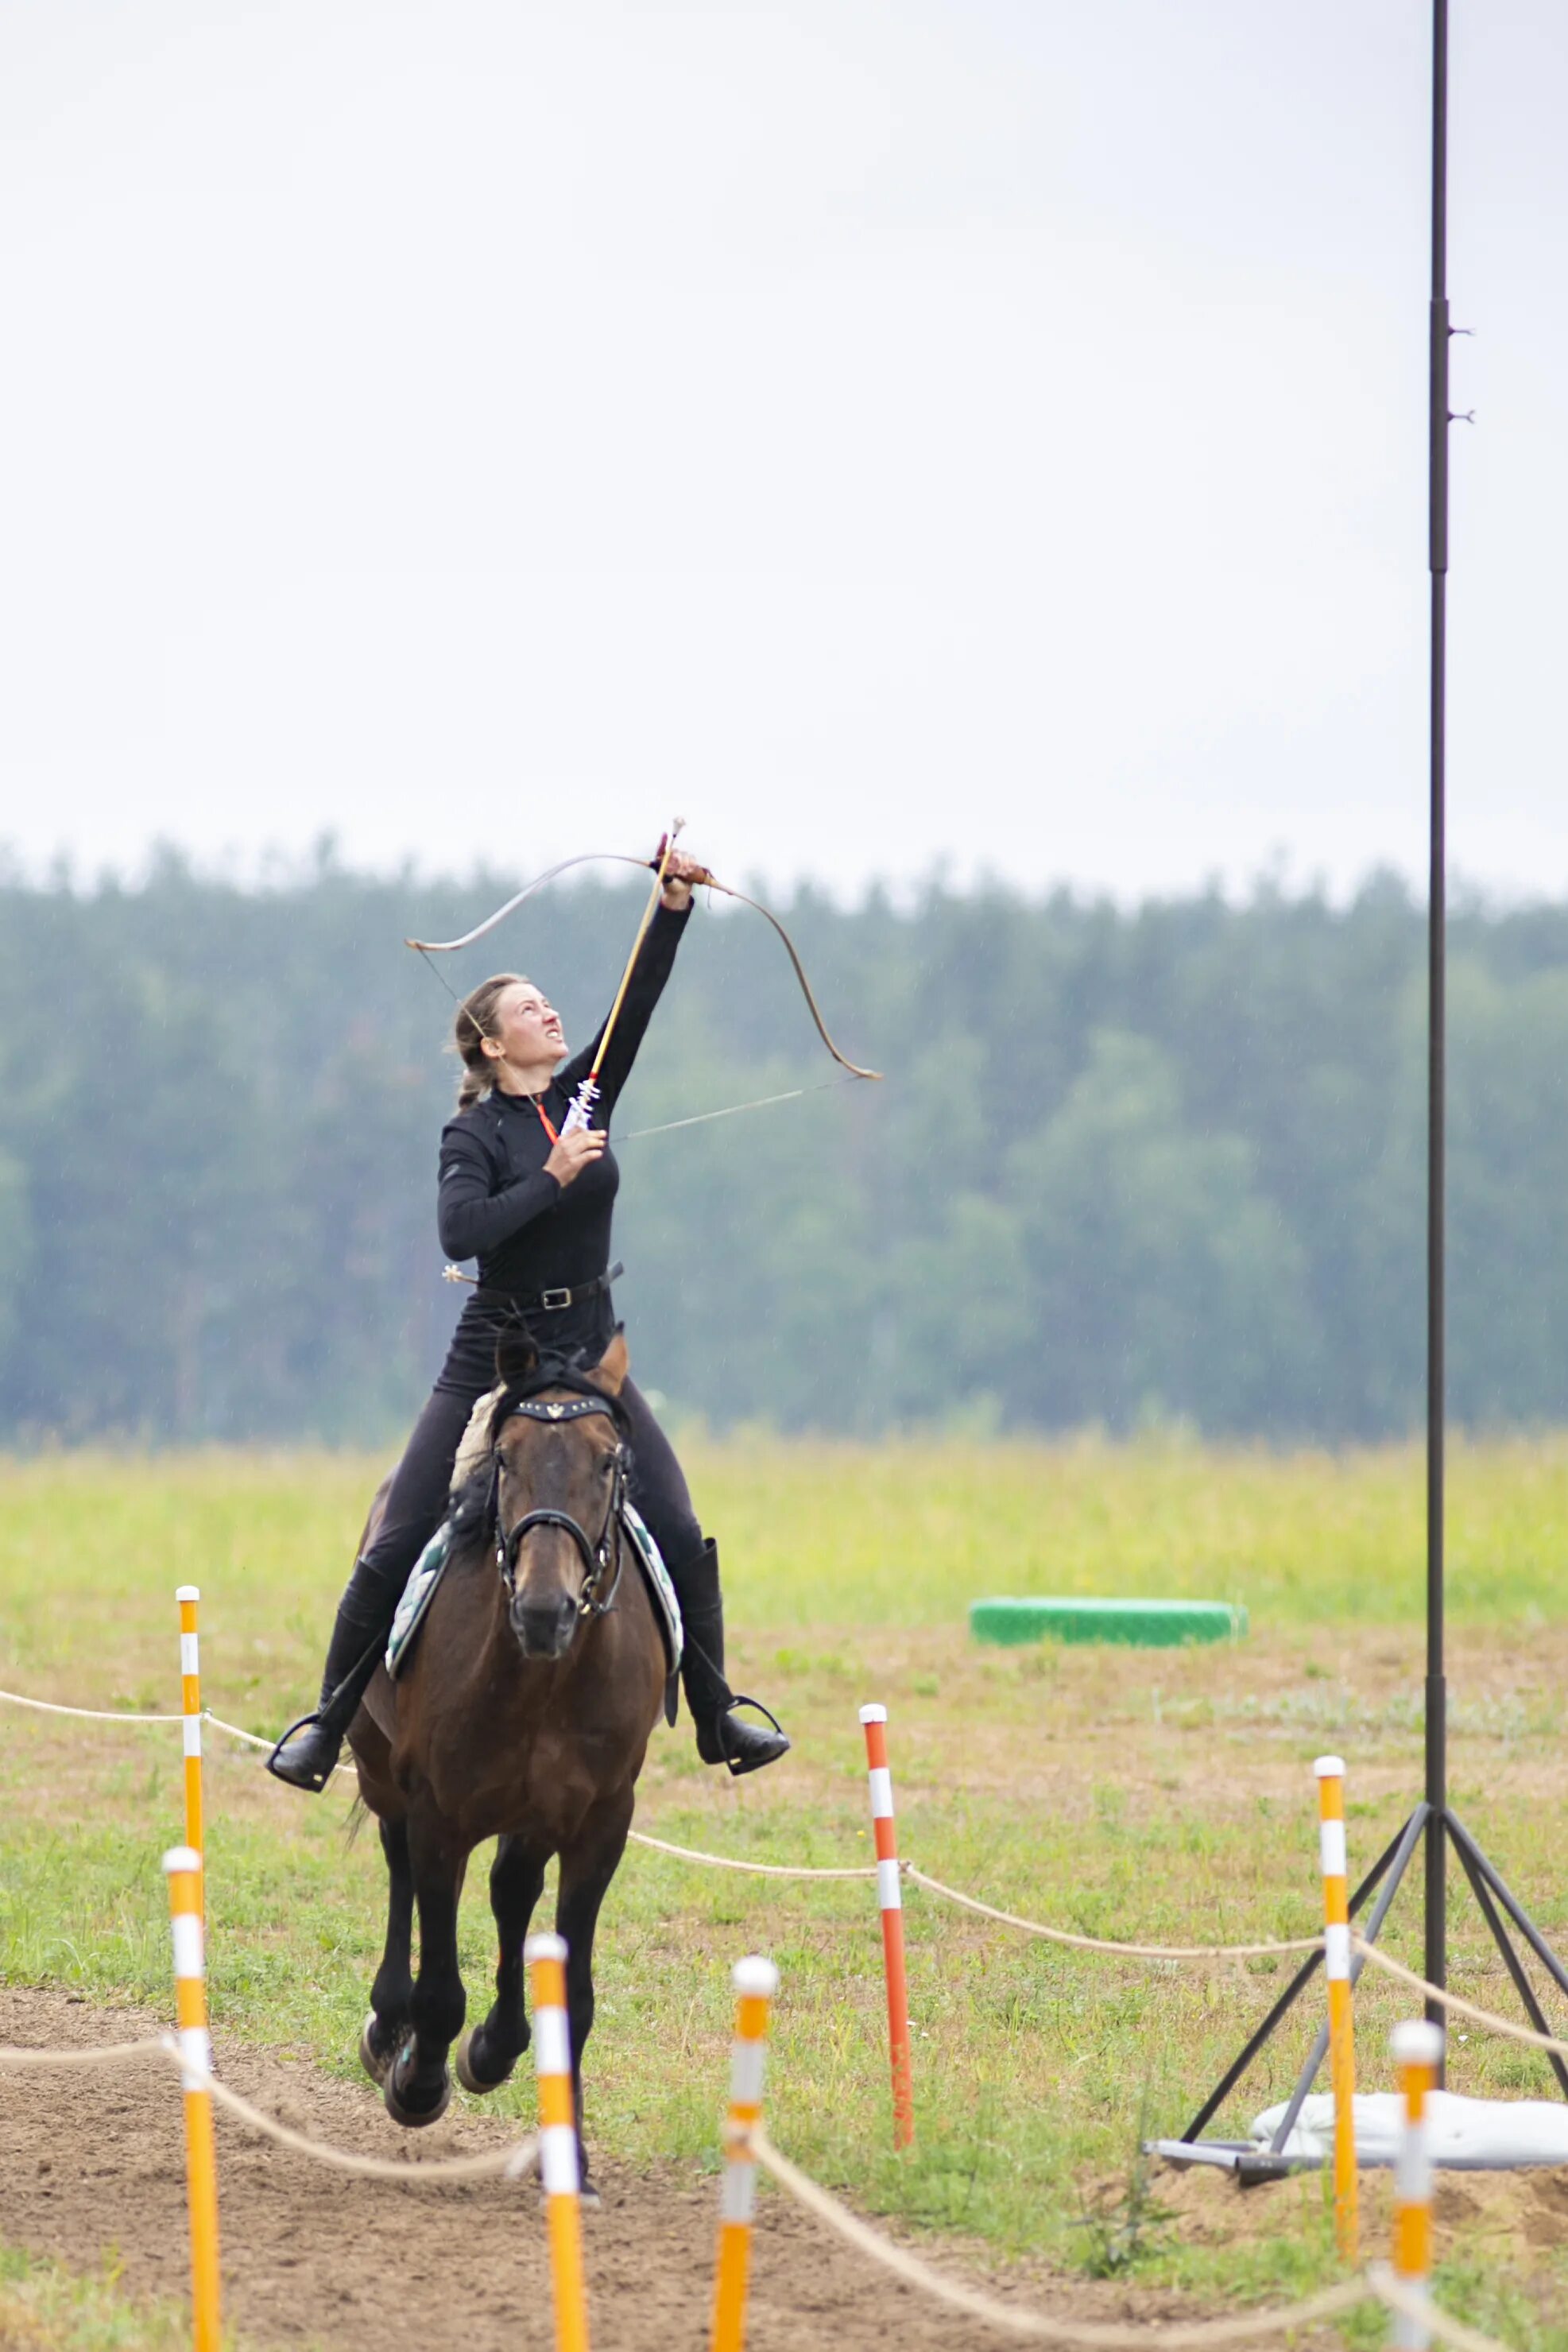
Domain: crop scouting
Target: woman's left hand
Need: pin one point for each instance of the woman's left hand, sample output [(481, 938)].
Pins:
[(681, 875)]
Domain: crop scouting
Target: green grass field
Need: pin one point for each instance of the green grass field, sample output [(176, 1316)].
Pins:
[(1166, 1796)]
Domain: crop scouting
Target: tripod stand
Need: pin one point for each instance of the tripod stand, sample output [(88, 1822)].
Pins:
[(1441, 1827), (1434, 1823)]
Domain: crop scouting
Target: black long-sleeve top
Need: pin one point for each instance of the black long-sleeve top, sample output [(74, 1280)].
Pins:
[(497, 1204)]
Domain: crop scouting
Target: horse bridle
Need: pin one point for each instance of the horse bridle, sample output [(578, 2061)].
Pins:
[(600, 1557)]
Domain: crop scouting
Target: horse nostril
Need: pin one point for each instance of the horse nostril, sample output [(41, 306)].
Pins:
[(544, 1628)]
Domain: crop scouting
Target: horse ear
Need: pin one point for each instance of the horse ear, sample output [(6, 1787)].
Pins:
[(516, 1357), (610, 1372)]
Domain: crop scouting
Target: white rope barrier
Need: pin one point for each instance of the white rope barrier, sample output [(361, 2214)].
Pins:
[(1396, 2297), (761, 1869), (1376, 2283), (105, 2053), (1487, 2017), (1103, 2336), (124, 1715), (1103, 1944), (251, 1738), (510, 2163), (86, 1713)]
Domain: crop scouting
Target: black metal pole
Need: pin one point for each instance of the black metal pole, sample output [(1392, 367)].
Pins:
[(1436, 931), (1432, 1820)]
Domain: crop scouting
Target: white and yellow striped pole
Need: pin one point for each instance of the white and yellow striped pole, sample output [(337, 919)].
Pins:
[(188, 1597), (1330, 1771), (546, 1958), (183, 1866), (756, 1982), (890, 1899), (1417, 2049)]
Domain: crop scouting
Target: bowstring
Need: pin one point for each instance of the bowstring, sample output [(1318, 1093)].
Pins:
[(731, 1110), (701, 1117), (445, 984), (854, 1076)]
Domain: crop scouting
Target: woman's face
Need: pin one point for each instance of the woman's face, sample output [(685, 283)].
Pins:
[(527, 1028)]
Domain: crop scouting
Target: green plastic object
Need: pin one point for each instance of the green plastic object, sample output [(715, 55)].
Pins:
[(1152, 1624)]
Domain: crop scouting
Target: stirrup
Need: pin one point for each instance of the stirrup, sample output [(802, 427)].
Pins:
[(738, 1765), (314, 1782)]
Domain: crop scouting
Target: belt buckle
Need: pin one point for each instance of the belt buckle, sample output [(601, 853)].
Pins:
[(553, 1301)]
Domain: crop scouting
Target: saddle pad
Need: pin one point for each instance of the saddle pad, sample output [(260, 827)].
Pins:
[(429, 1568), (417, 1595), (656, 1577)]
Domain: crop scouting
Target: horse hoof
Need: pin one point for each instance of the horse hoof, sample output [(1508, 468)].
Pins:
[(376, 2068), (415, 2118), (467, 2074)]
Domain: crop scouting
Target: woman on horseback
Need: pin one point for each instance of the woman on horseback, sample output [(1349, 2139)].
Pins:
[(533, 1206)]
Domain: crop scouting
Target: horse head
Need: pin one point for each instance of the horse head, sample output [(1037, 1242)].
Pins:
[(561, 1467)]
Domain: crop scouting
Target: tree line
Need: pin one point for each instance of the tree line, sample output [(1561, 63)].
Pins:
[(1128, 1166)]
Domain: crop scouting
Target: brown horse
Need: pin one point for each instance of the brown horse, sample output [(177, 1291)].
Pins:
[(524, 1715)]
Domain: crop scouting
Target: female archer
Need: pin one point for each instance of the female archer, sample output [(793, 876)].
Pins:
[(531, 1198)]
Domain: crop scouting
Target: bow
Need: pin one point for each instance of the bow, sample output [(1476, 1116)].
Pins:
[(427, 947)]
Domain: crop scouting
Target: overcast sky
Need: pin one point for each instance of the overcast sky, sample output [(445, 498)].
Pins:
[(977, 433)]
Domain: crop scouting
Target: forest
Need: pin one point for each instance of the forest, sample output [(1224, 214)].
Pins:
[(1137, 1168)]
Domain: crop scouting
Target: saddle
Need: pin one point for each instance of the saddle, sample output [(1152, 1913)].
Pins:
[(429, 1567)]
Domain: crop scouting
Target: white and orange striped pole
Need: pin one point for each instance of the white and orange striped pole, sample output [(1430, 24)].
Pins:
[(1417, 2049), (756, 1982), (1330, 1771), (188, 1597), (183, 1866), (890, 1899), (546, 1958)]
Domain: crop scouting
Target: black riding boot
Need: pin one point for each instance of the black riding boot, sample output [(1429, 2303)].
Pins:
[(308, 1750), (722, 1737)]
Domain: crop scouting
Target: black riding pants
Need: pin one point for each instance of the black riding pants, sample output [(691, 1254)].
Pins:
[(416, 1502)]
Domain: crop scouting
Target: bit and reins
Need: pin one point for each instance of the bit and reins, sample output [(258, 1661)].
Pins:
[(601, 1558)]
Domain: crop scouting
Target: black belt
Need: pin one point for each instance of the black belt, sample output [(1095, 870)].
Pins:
[(548, 1302)]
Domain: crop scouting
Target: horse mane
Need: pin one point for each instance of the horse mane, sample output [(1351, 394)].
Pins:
[(472, 1508), (553, 1373)]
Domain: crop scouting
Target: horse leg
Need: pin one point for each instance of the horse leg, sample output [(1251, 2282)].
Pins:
[(587, 1867), (418, 2085), (489, 2053), (393, 1987)]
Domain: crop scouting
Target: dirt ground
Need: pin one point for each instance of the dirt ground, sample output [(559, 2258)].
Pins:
[(93, 2164)]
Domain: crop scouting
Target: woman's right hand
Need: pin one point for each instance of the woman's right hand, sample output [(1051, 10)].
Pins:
[(571, 1154)]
